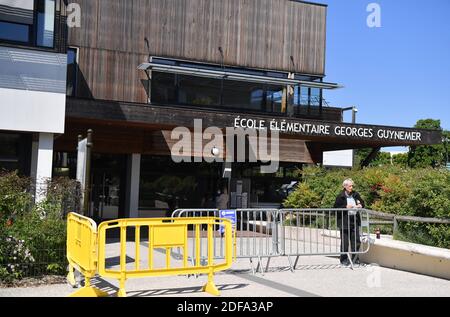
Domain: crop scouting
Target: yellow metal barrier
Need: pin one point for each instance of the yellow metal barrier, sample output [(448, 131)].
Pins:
[(166, 234), (83, 243), (82, 253)]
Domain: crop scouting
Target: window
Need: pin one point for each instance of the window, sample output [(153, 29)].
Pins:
[(315, 97), (199, 91), (15, 152), (45, 23), (304, 96), (14, 32), (189, 90), (72, 71), (28, 22), (274, 99), (243, 95), (163, 88), (166, 186)]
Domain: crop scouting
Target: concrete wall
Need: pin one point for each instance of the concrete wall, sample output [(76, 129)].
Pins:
[(410, 257), (32, 90)]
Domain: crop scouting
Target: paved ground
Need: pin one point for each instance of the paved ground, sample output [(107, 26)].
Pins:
[(314, 276)]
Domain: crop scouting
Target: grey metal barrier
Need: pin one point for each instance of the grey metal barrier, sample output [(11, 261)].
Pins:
[(269, 233), (325, 232), (255, 232)]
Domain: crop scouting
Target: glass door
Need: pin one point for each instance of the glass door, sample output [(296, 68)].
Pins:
[(108, 187)]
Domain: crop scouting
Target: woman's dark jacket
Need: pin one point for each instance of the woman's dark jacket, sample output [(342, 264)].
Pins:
[(343, 217)]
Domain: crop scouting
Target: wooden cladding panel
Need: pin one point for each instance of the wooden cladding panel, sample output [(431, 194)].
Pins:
[(109, 75), (253, 33)]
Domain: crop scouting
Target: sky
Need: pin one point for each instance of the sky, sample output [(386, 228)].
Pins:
[(395, 74)]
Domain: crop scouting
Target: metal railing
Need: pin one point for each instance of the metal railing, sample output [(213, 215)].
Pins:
[(268, 233), (394, 220)]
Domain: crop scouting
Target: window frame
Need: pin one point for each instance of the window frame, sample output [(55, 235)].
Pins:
[(33, 29), (35, 25)]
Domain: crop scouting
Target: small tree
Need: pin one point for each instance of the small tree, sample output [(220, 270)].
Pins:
[(428, 155)]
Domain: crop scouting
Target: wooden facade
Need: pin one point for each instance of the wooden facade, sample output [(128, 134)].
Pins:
[(117, 138), (262, 34)]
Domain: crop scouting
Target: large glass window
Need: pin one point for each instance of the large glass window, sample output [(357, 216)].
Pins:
[(229, 94), (210, 92), (166, 186)]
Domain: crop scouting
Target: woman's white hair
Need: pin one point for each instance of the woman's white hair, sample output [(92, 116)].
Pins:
[(347, 182)]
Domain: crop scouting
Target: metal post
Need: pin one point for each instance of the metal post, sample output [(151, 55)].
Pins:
[(354, 111), (87, 190), (395, 226)]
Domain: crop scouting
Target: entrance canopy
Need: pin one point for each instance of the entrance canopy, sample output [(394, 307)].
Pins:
[(335, 134)]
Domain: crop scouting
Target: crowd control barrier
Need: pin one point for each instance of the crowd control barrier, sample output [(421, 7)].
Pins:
[(154, 236), (82, 253), (254, 232), (268, 233)]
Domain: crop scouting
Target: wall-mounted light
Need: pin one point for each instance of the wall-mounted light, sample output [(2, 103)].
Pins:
[(215, 151)]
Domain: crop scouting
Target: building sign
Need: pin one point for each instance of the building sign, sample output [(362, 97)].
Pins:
[(340, 130)]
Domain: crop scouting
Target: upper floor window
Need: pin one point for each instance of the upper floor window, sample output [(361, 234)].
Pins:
[(307, 97), (28, 22), (188, 90), (45, 26)]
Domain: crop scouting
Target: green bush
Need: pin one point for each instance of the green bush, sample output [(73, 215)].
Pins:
[(303, 197), (391, 189), (15, 196), (33, 236)]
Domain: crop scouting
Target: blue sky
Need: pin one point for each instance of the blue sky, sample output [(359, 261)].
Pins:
[(396, 74)]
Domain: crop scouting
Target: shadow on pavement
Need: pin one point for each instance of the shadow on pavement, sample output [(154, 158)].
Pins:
[(178, 291)]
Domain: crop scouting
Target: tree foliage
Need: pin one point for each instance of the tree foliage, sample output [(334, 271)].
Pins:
[(392, 189), (423, 156), (428, 155)]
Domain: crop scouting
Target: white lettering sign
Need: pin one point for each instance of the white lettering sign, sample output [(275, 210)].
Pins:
[(323, 129)]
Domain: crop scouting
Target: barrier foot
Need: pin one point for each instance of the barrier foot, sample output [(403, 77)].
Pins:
[(210, 287), (121, 293), (89, 292), (253, 269), (71, 278), (268, 264), (351, 261), (290, 264)]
